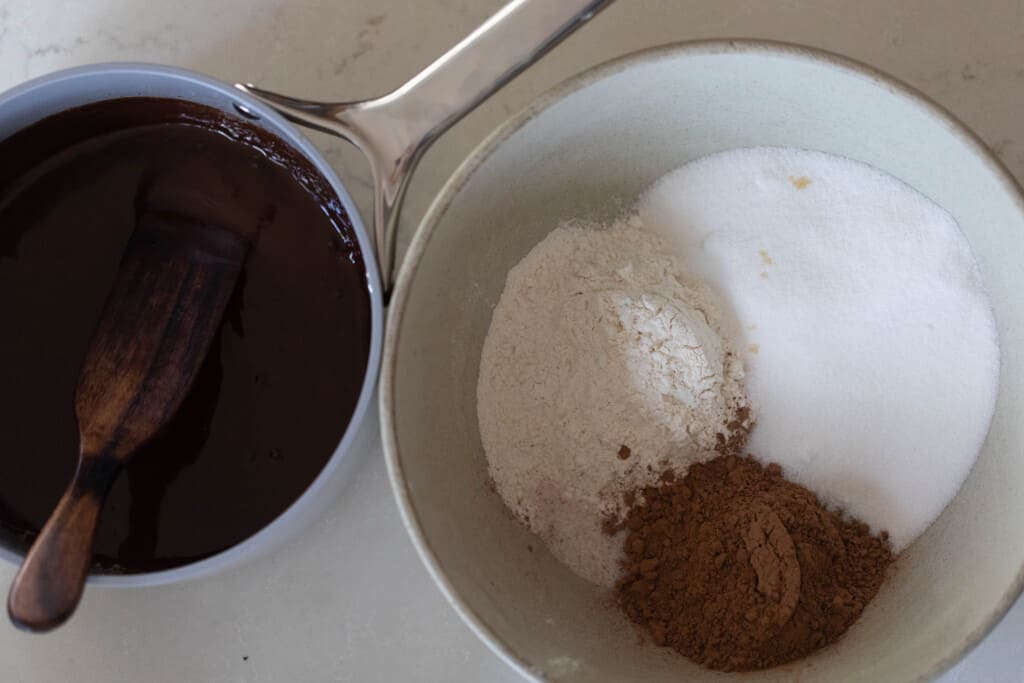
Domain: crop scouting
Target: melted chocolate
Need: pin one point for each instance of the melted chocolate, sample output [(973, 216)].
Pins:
[(282, 377)]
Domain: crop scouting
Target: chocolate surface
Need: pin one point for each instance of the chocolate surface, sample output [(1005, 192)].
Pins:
[(282, 377)]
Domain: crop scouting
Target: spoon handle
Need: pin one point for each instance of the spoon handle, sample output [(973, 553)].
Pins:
[(49, 584)]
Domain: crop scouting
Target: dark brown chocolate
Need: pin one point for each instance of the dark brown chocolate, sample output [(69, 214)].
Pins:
[(283, 375)]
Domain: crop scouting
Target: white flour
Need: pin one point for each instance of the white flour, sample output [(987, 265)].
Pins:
[(871, 348), (597, 344)]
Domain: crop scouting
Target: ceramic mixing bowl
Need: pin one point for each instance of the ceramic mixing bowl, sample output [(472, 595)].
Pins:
[(586, 149)]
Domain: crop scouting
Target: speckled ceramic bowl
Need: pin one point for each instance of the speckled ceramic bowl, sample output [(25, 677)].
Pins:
[(585, 149)]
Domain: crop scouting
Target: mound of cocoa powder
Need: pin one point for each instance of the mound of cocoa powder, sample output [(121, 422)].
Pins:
[(737, 568)]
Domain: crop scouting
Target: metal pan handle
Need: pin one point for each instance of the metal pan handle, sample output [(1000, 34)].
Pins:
[(393, 131)]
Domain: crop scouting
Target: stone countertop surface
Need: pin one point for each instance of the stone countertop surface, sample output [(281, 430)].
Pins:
[(348, 600)]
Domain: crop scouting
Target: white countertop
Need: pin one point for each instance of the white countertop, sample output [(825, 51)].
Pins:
[(348, 600)]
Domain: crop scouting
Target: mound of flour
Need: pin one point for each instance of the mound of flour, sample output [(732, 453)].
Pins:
[(601, 368)]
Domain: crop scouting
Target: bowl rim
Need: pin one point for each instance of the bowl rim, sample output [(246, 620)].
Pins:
[(279, 528), (465, 171)]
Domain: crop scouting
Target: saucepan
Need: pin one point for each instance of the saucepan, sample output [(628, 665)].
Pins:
[(393, 131)]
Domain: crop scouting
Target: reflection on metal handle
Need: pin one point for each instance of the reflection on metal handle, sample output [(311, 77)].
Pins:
[(393, 131)]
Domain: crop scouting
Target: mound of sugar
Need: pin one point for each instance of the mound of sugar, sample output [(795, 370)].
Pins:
[(871, 348)]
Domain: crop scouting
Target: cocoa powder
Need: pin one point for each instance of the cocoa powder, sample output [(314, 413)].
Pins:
[(737, 568)]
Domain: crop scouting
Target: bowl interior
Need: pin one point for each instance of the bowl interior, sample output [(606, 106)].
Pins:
[(589, 149)]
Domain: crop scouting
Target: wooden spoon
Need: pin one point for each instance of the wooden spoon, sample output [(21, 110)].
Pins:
[(173, 283)]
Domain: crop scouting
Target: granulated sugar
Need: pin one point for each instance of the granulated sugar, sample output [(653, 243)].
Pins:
[(871, 349), (601, 368)]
